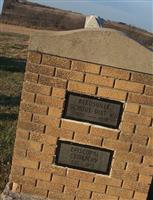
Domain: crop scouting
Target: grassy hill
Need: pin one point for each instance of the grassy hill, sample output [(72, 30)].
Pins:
[(40, 17), (32, 15), (142, 36)]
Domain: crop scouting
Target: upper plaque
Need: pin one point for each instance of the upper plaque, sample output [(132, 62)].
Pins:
[(94, 110), (83, 157)]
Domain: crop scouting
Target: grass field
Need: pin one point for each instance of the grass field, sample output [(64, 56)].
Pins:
[(13, 52)]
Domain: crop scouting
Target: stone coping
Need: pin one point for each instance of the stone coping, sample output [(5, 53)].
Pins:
[(104, 46)]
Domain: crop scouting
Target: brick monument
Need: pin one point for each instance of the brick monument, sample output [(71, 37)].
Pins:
[(85, 128)]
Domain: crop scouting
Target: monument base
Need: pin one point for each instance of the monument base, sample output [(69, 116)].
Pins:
[(9, 194)]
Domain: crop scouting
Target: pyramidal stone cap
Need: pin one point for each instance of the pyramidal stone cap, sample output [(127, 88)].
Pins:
[(101, 46), (93, 21)]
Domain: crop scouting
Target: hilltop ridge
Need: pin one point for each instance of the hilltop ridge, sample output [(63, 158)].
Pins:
[(36, 16)]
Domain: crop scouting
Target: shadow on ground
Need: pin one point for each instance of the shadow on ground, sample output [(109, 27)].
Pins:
[(8, 116), (9, 100), (12, 64), (150, 195)]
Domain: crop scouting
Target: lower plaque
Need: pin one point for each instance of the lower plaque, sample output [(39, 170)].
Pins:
[(83, 157)]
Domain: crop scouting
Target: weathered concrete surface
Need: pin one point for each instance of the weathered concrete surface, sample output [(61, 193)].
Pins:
[(10, 195), (105, 46)]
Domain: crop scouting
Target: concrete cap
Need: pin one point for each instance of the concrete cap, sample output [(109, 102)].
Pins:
[(101, 46)]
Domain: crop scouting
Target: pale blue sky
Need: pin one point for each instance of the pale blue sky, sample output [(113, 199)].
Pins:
[(134, 12)]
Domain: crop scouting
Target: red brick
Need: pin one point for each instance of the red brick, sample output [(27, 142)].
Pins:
[(40, 69), (53, 82), (16, 171), (150, 143), (36, 174), (56, 61), (24, 162), (145, 131), (81, 87), (147, 111), (23, 134), (48, 167), (129, 157), (19, 153), (140, 196), (55, 112), (99, 80), (27, 144), (132, 107), (116, 145), (32, 77), (119, 192), (137, 119), (103, 180), (145, 179), (49, 149), (118, 164), (60, 196), (49, 101), (34, 57), (129, 86), (29, 126), (112, 93), (100, 196), (142, 78), (141, 99), (41, 156), (85, 67), (80, 175), (103, 132), (75, 126), (127, 127), (27, 97), (69, 75), (43, 138), (53, 123), (133, 185), (148, 160), (149, 90), (134, 138), (25, 116), (92, 186), (115, 72), (28, 189), (36, 88), (142, 169), (58, 92), (23, 180), (41, 119), (89, 139), (69, 182), (58, 132), (49, 186), (34, 108), (85, 194), (143, 150)]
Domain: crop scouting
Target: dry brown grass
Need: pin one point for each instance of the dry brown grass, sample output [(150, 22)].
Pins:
[(13, 52)]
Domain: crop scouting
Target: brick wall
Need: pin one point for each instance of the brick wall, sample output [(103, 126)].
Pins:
[(47, 78)]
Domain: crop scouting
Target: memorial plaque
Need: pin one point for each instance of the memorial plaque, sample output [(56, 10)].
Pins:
[(98, 111), (83, 157)]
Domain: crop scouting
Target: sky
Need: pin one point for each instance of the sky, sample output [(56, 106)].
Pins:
[(134, 12)]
